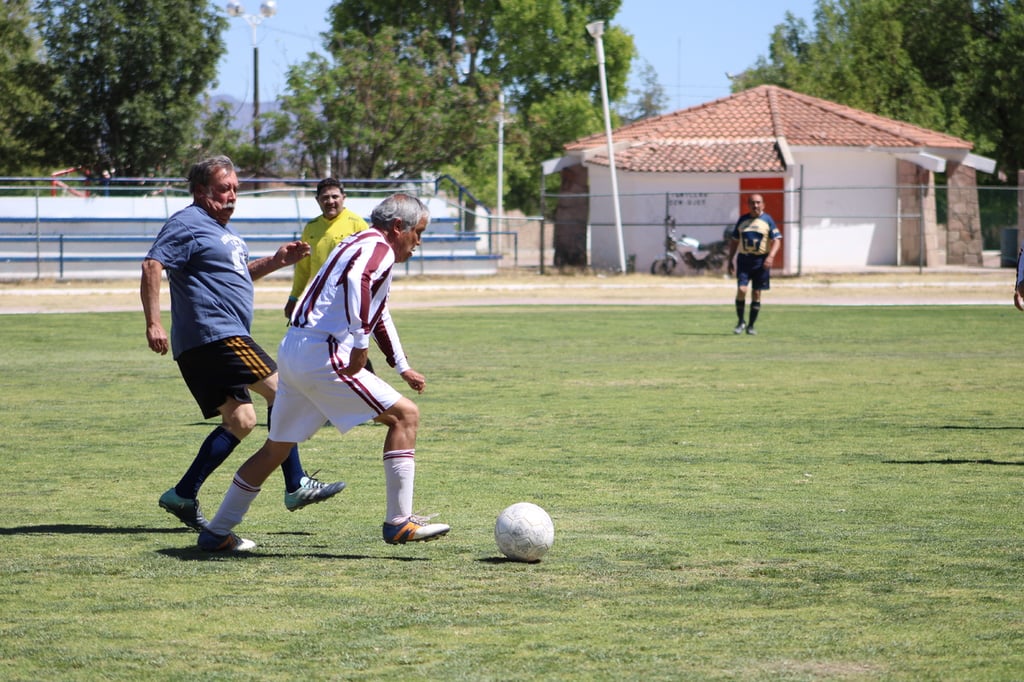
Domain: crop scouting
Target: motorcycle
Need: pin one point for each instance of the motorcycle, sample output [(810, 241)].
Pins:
[(684, 249)]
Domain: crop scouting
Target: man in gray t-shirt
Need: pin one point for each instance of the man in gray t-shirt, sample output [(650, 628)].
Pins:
[(207, 265), (207, 268)]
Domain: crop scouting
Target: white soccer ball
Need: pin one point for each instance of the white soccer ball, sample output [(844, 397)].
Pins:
[(524, 532)]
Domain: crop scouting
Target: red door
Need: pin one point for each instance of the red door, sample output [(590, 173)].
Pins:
[(772, 189)]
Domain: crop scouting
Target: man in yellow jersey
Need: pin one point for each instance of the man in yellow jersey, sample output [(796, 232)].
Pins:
[(322, 234), (757, 239)]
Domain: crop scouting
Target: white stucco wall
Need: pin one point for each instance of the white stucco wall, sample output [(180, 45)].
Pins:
[(702, 206), (849, 210), (846, 215)]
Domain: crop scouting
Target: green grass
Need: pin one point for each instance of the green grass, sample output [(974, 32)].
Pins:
[(837, 498)]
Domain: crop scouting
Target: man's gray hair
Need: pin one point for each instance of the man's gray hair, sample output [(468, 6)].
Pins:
[(400, 206), (202, 173)]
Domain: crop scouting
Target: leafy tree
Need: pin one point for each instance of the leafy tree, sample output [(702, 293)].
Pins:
[(25, 121), (787, 53), (547, 64), (217, 134), (385, 105), (127, 77), (462, 29), (650, 96), (858, 56), (990, 87), (537, 51), (886, 56)]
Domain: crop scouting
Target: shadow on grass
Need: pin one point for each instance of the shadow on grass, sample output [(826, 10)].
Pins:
[(982, 428), (952, 461), (87, 529), (504, 560), (716, 333), (196, 554)]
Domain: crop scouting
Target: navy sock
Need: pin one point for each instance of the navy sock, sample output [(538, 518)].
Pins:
[(214, 450), (740, 308), (755, 308), (292, 466), (292, 470)]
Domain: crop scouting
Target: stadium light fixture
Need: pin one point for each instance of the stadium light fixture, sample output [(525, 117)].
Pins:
[(268, 8)]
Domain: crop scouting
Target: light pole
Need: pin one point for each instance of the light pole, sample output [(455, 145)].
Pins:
[(501, 158), (596, 30), (268, 8)]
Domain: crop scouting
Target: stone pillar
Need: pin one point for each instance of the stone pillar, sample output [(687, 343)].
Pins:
[(934, 234), (570, 238), (964, 241), (918, 217)]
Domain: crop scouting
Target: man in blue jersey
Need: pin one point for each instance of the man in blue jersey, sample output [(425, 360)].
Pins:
[(324, 375), (1018, 288), (211, 282), (757, 240)]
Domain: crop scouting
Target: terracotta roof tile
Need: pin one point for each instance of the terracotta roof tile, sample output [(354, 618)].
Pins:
[(696, 156), (738, 134)]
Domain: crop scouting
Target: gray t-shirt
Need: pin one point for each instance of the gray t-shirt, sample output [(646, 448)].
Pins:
[(207, 267)]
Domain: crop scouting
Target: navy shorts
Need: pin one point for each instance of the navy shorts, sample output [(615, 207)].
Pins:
[(751, 270), (224, 369)]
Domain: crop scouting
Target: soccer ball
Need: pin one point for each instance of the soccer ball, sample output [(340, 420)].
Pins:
[(524, 532)]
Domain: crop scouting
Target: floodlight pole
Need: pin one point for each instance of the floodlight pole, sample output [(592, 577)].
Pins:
[(268, 8), (596, 30), (501, 159)]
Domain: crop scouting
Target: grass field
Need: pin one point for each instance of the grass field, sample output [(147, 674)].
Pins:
[(837, 498)]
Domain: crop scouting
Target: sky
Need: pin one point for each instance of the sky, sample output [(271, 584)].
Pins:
[(692, 46)]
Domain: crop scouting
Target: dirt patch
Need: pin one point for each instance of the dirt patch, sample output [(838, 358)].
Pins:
[(906, 287)]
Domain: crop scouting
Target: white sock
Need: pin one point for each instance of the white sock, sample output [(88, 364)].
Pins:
[(232, 509), (399, 472)]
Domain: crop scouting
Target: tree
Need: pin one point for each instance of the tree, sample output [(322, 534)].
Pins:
[(858, 55), (537, 51), (547, 64), (463, 30), (989, 87), (25, 120), (217, 135), (385, 105), (127, 77), (650, 96), (886, 56)]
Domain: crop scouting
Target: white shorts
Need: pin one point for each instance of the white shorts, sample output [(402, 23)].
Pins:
[(311, 390)]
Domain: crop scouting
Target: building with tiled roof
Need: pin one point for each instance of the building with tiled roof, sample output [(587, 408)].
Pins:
[(848, 188)]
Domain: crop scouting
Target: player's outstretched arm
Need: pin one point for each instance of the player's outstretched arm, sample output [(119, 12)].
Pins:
[(287, 254)]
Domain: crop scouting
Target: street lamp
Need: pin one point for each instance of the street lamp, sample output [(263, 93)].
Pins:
[(268, 8), (596, 30)]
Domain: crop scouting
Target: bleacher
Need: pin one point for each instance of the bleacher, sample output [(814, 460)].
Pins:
[(107, 237)]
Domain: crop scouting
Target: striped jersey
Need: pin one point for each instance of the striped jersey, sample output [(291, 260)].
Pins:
[(348, 298), (323, 235)]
